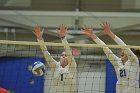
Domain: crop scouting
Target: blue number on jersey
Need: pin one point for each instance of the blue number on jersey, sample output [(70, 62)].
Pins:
[(122, 73)]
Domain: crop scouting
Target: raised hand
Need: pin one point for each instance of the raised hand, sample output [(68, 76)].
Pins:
[(87, 30), (37, 31), (105, 27), (62, 31)]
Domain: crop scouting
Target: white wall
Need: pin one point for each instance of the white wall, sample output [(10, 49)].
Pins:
[(91, 78), (91, 82)]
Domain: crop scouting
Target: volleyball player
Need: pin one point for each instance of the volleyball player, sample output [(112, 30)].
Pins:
[(64, 71), (126, 66)]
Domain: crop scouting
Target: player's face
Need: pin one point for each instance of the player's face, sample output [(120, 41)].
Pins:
[(63, 59), (123, 56)]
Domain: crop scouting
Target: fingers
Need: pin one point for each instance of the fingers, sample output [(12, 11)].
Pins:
[(42, 31), (61, 30), (58, 31), (37, 28), (63, 27), (102, 24), (87, 30), (84, 29), (87, 27), (38, 32), (34, 32), (105, 23), (105, 26)]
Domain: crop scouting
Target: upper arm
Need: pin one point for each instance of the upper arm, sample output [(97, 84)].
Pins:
[(111, 56)]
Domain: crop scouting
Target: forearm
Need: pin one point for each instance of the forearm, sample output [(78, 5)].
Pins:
[(120, 42), (68, 52), (111, 34), (130, 54), (98, 41), (110, 55), (67, 48), (43, 47), (45, 52)]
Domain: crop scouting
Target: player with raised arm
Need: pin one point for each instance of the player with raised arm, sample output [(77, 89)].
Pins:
[(126, 66), (65, 71)]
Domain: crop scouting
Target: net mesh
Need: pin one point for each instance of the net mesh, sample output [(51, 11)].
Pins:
[(91, 76)]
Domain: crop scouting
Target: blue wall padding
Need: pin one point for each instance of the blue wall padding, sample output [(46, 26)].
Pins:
[(111, 78), (15, 75)]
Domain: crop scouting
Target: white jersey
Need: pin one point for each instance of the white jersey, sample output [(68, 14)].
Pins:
[(128, 73), (63, 80)]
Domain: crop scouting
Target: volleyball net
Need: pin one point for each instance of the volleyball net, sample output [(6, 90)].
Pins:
[(94, 74)]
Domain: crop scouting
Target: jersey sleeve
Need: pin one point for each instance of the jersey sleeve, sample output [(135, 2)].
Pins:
[(131, 55), (51, 62), (110, 55), (69, 54)]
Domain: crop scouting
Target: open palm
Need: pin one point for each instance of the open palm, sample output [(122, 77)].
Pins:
[(62, 30), (87, 30), (105, 27), (37, 31)]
